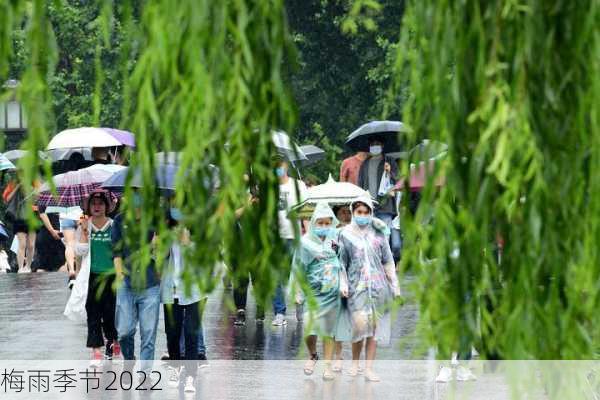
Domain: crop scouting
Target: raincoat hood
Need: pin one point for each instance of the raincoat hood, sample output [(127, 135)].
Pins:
[(322, 210), (365, 200)]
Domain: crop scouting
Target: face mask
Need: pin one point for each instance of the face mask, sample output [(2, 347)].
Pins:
[(136, 200), (362, 221), (176, 214), (322, 231), (375, 150), (280, 171)]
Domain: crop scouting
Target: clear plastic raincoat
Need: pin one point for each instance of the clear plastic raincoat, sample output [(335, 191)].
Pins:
[(316, 264), (367, 259)]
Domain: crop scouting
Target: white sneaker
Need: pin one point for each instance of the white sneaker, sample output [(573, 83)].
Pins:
[(189, 385), (279, 320), (174, 374), (445, 375), (464, 374)]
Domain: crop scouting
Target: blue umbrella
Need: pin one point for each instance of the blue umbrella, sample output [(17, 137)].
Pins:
[(164, 178)]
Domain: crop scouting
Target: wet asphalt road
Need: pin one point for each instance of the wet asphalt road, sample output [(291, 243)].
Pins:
[(32, 326), (256, 361)]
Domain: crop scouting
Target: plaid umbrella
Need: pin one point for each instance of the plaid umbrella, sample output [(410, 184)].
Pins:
[(72, 187)]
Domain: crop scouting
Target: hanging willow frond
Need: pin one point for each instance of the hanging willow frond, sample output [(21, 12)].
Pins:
[(512, 87)]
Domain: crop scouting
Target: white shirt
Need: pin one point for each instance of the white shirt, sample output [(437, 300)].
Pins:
[(288, 198)]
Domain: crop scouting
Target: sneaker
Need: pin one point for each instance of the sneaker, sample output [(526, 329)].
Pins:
[(97, 358), (279, 320), (165, 356), (240, 318), (464, 374), (299, 312), (174, 374), (189, 385), (202, 360), (108, 351), (445, 375), (71, 283)]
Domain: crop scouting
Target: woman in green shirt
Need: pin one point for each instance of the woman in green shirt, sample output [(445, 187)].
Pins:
[(95, 246)]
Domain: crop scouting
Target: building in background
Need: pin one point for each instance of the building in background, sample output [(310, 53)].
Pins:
[(13, 123)]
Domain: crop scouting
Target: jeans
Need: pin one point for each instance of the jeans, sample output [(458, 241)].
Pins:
[(134, 307), (395, 239), (201, 345), (182, 319), (279, 299)]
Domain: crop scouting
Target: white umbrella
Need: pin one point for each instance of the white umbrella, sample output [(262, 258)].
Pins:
[(65, 154), (90, 137), (14, 155), (332, 192), (5, 163)]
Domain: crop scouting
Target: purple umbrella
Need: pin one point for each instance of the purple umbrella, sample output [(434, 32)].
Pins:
[(125, 137)]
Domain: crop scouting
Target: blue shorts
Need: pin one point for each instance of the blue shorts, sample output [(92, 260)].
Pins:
[(67, 224)]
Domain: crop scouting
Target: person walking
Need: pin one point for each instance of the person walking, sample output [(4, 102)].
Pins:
[(350, 167), (367, 259), (182, 309), (16, 213), (291, 192), (317, 269), (377, 175), (138, 291), (96, 278)]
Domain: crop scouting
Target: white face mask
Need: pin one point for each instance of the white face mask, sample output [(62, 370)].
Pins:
[(375, 150)]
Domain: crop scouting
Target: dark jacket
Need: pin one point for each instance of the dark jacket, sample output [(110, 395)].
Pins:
[(388, 204)]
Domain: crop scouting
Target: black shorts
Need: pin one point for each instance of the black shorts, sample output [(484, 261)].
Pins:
[(20, 226)]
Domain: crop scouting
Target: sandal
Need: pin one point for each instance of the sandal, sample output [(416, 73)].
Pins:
[(309, 367), (353, 371), (370, 376), (337, 366), (328, 375)]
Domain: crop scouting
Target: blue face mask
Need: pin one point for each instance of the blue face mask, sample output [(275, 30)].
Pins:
[(280, 171), (322, 232), (176, 214), (362, 221)]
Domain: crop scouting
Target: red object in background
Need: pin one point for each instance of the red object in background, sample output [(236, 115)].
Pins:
[(418, 177)]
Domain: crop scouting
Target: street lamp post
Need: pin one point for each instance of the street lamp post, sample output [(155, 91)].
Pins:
[(12, 118)]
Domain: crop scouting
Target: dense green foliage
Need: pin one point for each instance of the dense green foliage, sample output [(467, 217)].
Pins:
[(513, 88)]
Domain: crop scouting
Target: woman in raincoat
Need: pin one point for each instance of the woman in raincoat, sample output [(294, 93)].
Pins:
[(367, 259), (317, 268)]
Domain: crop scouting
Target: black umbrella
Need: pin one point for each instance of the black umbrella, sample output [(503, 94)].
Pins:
[(312, 153), (388, 132)]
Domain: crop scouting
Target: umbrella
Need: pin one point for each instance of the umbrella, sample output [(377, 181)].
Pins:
[(72, 187), (91, 137), (164, 176), (419, 176), (331, 192), (312, 153), (65, 154), (428, 150), (14, 155), (386, 131), (286, 148), (168, 157), (5, 163)]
